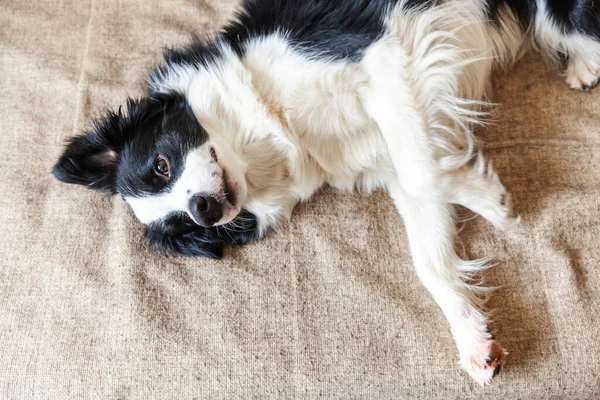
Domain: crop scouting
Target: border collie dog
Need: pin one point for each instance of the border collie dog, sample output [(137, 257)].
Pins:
[(293, 95)]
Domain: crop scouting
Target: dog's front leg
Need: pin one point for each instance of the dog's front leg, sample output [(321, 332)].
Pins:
[(431, 233)]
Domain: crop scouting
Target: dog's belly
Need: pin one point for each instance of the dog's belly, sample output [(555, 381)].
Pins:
[(320, 111), (352, 160)]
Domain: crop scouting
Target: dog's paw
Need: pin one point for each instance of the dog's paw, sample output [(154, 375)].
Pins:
[(495, 203), (503, 217), (483, 361), (582, 74)]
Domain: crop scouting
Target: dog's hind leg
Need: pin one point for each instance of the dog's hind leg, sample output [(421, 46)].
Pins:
[(428, 215), (399, 110), (431, 234), (563, 29)]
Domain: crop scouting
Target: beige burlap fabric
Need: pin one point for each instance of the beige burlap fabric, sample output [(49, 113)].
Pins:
[(328, 308)]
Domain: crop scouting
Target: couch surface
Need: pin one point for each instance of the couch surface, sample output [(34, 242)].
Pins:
[(331, 306)]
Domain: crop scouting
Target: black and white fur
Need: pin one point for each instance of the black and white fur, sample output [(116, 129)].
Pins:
[(366, 94)]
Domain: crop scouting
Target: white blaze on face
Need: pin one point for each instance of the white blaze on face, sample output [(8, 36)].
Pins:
[(201, 175)]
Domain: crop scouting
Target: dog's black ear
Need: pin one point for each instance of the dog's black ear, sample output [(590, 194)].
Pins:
[(189, 239), (91, 159)]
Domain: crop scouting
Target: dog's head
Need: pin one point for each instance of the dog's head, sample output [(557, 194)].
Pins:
[(186, 187)]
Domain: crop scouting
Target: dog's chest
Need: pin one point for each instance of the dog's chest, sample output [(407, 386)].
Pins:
[(318, 105)]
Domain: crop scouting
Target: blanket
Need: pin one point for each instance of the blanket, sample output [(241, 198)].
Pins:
[(329, 307)]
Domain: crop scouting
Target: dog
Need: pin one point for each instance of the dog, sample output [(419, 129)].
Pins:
[(292, 95)]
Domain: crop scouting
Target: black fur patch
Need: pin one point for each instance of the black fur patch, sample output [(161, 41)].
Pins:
[(576, 16), (337, 29), (197, 53), (87, 158), (571, 16), (333, 29), (178, 234), (524, 9)]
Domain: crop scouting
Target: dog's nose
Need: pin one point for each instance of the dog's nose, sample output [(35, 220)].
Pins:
[(206, 210)]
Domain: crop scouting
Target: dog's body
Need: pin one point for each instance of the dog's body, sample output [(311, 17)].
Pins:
[(368, 94)]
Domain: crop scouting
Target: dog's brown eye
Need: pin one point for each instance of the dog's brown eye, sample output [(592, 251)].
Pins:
[(161, 166)]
